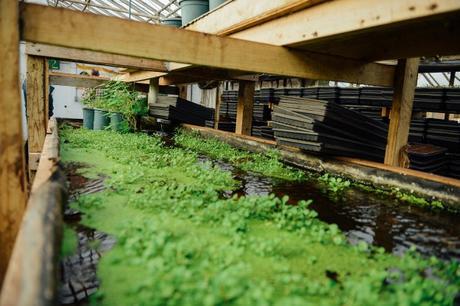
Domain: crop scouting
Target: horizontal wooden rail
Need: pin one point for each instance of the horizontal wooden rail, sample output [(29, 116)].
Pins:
[(56, 26), (32, 274)]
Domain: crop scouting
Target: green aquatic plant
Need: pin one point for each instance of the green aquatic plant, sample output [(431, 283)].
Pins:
[(180, 243), (335, 184), (268, 163)]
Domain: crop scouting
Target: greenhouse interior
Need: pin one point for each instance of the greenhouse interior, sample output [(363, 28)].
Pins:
[(229, 152)]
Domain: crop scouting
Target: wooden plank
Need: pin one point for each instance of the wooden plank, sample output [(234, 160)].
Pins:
[(47, 91), (94, 57), (36, 105), (13, 189), (32, 277), (178, 45), (217, 107), (367, 30), (139, 76), (250, 14), (245, 107), (76, 80), (34, 159), (48, 159), (401, 111)]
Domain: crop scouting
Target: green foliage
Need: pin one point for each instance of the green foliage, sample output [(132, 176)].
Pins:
[(180, 243), (119, 97), (69, 242), (335, 184), (268, 164)]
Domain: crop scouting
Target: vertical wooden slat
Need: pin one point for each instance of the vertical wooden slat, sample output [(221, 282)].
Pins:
[(401, 110), (37, 112), (183, 92), (154, 89), (13, 192), (245, 107), (46, 76), (217, 107)]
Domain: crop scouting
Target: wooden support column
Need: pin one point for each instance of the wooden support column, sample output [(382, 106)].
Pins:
[(217, 107), (401, 110), (183, 92), (37, 107), (154, 89), (13, 190), (245, 107)]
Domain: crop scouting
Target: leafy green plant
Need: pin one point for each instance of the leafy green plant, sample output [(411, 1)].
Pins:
[(335, 184), (180, 243), (119, 97)]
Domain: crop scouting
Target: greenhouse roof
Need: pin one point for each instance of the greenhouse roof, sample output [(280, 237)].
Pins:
[(140, 10)]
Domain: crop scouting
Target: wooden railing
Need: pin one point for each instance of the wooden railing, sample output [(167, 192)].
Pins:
[(32, 274)]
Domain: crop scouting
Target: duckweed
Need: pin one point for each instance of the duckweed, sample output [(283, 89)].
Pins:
[(180, 243)]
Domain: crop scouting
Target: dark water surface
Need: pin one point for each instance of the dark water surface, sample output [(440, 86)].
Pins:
[(363, 216)]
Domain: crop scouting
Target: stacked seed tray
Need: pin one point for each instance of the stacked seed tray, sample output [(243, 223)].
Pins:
[(327, 128), (260, 116), (428, 158), (223, 126), (181, 111), (454, 165)]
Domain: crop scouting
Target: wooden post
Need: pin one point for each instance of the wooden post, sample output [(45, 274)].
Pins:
[(37, 108), (244, 108), (401, 110), (13, 190), (154, 89), (183, 92), (217, 107)]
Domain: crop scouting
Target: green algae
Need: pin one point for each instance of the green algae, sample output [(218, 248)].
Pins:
[(69, 241), (180, 243)]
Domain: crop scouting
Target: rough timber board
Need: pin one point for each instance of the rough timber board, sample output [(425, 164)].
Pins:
[(13, 189), (401, 110), (131, 38), (93, 57), (75, 80), (36, 104), (425, 26)]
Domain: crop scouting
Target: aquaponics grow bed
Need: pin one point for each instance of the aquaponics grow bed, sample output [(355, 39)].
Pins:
[(180, 236)]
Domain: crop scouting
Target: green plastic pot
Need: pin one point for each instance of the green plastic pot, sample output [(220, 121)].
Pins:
[(215, 3), (192, 9), (172, 22), (116, 121), (101, 119), (88, 118)]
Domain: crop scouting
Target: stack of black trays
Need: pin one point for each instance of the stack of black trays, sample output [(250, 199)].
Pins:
[(262, 131), (223, 125), (454, 165), (452, 97), (443, 133), (428, 158), (417, 131), (181, 111), (325, 127), (373, 96)]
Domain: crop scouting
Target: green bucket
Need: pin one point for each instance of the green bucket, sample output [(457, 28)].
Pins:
[(88, 118), (175, 22), (116, 121), (101, 119), (215, 3), (192, 9)]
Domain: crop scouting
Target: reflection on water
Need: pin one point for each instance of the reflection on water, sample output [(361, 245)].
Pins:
[(363, 216)]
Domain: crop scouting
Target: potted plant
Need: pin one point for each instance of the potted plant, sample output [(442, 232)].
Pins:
[(88, 109)]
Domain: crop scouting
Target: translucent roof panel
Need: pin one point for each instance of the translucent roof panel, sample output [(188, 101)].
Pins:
[(140, 10)]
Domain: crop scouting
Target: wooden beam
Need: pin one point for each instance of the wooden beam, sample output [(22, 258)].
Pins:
[(154, 90), (245, 107), (36, 105), (32, 277), (114, 35), (94, 57), (370, 30), (401, 110), (217, 107), (250, 14), (13, 190), (76, 80), (139, 76)]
